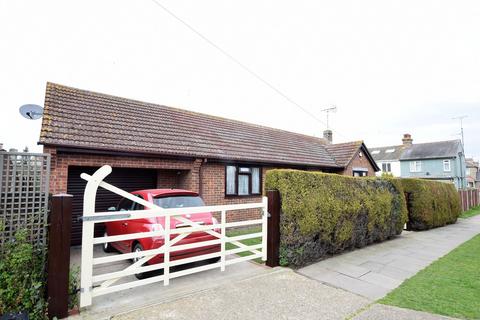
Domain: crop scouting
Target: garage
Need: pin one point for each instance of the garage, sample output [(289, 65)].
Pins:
[(125, 178)]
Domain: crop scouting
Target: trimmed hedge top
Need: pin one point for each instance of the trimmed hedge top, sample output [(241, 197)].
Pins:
[(431, 204), (327, 213)]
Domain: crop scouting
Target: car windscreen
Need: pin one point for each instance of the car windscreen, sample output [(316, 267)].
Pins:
[(179, 202)]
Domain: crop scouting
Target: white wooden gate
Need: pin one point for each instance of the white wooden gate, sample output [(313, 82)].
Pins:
[(96, 285)]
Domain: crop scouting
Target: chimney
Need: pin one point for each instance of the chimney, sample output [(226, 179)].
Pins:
[(407, 140), (328, 135)]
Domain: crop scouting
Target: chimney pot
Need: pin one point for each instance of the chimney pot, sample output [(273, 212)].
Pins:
[(407, 139), (328, 136)]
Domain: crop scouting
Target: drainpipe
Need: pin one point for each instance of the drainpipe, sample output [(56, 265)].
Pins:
[(200, 177)]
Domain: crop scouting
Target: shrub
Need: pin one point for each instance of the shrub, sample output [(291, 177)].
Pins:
[(22, 278), (431, 204), (324, 214)]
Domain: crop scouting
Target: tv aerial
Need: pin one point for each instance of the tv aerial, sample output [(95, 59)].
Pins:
[(331, 109), (31, 111)]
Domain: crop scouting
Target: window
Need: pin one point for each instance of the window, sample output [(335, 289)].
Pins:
[(242, 180), (125, 205), (360, 173), (415, 166), (389, 150), (179, 202), (375, 152), (386, 167), (446, 166)]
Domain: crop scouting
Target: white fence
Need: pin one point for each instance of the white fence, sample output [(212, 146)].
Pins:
[(96, 285)]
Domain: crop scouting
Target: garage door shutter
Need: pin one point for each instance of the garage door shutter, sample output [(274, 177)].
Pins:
[(123, 178)]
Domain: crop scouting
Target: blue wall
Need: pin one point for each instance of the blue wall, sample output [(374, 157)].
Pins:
[(435, 169)]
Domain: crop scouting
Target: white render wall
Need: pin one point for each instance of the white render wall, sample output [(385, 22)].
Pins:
[(395, 166)]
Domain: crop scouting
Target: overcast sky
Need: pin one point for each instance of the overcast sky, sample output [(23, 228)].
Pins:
[(391, 67)]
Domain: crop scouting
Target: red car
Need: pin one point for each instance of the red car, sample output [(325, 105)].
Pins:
[(165, 198)]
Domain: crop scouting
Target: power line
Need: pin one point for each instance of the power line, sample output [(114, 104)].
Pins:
[(241, 65)]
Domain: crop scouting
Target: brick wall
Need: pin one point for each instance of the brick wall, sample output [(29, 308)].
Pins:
[(61, 161), (213, 193), (208, 178), (359, 162)]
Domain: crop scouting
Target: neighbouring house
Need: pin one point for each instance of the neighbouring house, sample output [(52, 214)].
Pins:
[(154, 146), (388, 158), (441, 160), (473, 175)]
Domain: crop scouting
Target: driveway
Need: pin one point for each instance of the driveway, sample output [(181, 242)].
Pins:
[(342, 287), (280, 294), (375, 270)]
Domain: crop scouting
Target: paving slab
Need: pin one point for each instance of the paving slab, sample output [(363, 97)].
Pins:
[(382, 312), (375, 270), (282, 294)]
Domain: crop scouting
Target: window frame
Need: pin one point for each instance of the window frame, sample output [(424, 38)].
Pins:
[(413, 165), (387, 166), (449, 165), (249, 174)]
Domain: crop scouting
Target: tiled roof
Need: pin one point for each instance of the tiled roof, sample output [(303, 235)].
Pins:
[(344, 152), (390, 153), (432, 150), (83, 119)]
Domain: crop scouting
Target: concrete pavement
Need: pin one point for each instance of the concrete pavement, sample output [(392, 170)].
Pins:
[(375, 270), (342, 287), (282, 294)]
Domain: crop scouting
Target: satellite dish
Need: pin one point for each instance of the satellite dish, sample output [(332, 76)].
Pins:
[(31, 111)]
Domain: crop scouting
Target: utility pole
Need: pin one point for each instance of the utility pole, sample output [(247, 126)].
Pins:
[(462, 172)]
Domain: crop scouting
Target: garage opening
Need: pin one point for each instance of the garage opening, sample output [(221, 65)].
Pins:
[(127, 179)]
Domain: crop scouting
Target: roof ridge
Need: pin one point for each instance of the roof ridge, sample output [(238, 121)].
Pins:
[(52, 85)]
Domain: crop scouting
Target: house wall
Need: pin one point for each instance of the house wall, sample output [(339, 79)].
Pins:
[(395, 167), (61, 161), (359, 162), (433, 169), (206, 178)]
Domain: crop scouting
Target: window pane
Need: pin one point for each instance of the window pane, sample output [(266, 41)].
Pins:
[(255, 180), (179, 202), (389, 167), (244, 169), (231, 172), (243, 182), (419, 166), (384, 167)]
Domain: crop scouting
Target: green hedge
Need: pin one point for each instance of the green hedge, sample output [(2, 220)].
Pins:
[(431, 204), (324, 214)]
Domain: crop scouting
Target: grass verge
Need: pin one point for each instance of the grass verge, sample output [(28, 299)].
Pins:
[(450, 286), (470, 213), (248, 242)]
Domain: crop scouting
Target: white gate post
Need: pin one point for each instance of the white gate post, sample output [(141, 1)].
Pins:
[(222, 241), (264, 227), (86, 283), (166, 253)]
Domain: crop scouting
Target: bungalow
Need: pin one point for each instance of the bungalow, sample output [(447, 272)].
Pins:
[(154, 146)]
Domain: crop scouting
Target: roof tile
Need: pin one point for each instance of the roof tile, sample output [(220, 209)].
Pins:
[(84, 119)]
